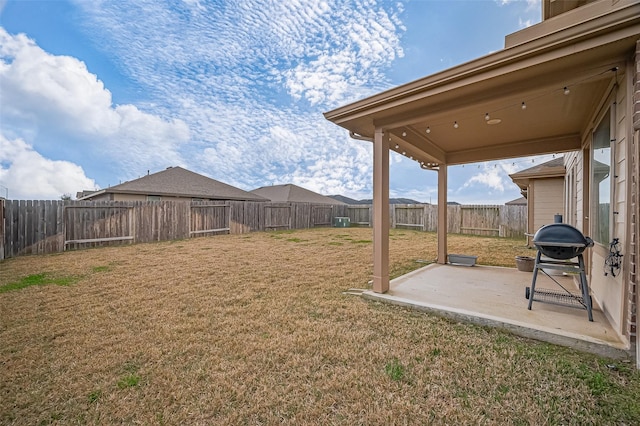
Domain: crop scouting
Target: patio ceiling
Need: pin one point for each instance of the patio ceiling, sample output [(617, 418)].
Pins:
[(419, 117)]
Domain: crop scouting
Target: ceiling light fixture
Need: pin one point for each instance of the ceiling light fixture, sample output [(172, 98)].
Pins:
[(404, 134), (455, 125), (524, 106), (486, 116), (428, 129), (566, 90), (397, 146), (494, 121)]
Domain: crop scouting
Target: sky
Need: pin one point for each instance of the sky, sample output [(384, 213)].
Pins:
[(96, 93)]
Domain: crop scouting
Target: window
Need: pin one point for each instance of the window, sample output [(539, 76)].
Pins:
[(153, 198), (601, 180), (572, 199)]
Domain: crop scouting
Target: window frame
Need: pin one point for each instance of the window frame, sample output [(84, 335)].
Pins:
[(594, 204)]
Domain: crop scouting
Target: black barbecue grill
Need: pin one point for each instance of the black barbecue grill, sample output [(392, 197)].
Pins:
[(557, 244)]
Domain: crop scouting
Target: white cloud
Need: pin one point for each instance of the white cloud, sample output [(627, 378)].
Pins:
[(48, 94), (314, 48), (303, 149), (533, 5), (353, 61), (28, 175), (491, 175), (525, 23)]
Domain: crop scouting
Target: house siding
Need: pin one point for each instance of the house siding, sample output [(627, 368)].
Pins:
[(574, 163), (143, 197), (634, 245), (610, 292), (103, 197), (616, 296), (549, 200), (633, 255)]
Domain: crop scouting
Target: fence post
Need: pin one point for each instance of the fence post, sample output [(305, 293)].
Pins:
[(393, 215), (424, 218)]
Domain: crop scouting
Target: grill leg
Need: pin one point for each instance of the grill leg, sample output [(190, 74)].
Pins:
[(533, 281), (584, 286)]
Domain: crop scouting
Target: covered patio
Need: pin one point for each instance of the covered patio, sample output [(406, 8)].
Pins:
[(541, 94), (495, 297), (536, 96)]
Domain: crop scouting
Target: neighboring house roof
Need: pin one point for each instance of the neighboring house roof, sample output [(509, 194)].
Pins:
[(293, 193), (345, 200), (550, 169), (179, 182), (366, 201), (517, 202), (395, 201)]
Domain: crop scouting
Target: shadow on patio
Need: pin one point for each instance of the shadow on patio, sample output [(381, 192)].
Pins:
[(494, 296)]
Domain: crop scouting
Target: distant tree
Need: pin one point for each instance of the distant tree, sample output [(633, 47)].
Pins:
[(65, 197)]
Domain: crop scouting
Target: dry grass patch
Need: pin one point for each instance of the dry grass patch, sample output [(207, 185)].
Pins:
[(254, 329)]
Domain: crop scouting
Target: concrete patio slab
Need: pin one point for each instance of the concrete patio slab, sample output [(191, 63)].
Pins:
[(495, 296)]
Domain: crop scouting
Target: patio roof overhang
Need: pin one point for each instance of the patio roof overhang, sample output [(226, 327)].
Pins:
[(419, 116), (543, 171), (561, 69)]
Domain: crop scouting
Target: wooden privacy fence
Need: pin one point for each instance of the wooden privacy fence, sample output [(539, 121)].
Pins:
[(36, 227), (490, 220)]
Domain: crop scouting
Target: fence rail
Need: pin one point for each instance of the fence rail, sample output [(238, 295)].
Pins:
[(38, 227), (489, 220)]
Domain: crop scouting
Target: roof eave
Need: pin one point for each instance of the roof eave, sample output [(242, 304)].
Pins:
[(481, 68), (255, 197)]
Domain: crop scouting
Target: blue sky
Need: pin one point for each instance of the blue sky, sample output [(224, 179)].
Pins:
[(95, 93)]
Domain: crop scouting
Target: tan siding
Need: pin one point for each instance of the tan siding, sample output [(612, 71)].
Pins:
[(549, 200), (129, 197), (632, 260), (139, 197), (102, 197), (610, 292), (573, 162)]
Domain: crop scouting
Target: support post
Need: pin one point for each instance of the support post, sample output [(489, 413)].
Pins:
[(380, 212), (442, 214)]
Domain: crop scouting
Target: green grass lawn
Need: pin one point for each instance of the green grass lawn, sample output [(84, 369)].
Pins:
[(255, 329)]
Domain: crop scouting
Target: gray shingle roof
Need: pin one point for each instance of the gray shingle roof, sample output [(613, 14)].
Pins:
[(557, 163), (176, 181), (293, 193), (517, 202)]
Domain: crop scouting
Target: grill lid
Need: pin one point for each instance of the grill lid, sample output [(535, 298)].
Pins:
[(561, 235), (561, 241)]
